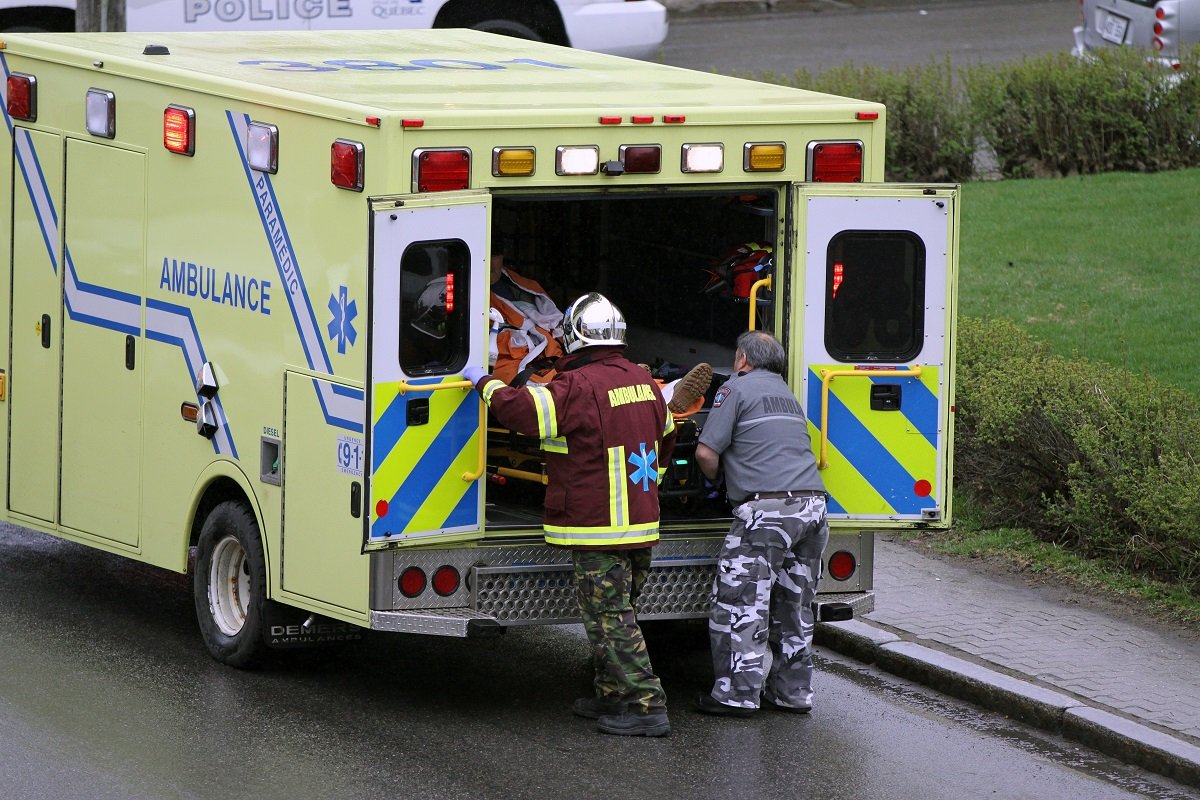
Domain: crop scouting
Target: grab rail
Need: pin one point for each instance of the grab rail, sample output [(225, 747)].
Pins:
[(827, 376)]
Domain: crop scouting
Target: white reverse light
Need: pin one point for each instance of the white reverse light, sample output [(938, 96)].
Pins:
[(703, 157), (101, 113), (577, 160), (262, 147)]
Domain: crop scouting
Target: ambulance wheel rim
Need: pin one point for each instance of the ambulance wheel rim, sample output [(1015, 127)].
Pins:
[(229, 586)]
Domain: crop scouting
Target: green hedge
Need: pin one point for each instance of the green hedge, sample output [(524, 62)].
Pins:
[(1050, 115), (1093, 457)]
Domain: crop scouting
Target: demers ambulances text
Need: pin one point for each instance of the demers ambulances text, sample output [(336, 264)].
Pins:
[(197, 280), (639, 393)]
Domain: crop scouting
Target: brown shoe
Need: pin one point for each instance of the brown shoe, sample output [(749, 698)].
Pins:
[(691, 387)]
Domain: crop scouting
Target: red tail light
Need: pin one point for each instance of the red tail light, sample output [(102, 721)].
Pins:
[(412, 581), (441, 170), (22, 97), (179, 130), (445, 580), (346, 164), (842, 565), (836, 162)]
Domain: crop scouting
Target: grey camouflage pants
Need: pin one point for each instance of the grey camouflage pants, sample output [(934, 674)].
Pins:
[(762, 601)]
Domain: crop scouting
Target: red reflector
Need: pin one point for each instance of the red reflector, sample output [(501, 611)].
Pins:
[(374, 121), (1159, 13), (642, 158), (610, 120), (674, 118), (445, 580), (867, 115), (346, 164), (1158, 28), (449, 292), (412, 123), (837, 162), (381, 508), (841, 565), (641, 119), (412, 581), (179, 135), (443, 170), (22, 97), (922, 488)]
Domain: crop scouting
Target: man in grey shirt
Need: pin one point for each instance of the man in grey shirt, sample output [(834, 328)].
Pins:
[(770, 561)]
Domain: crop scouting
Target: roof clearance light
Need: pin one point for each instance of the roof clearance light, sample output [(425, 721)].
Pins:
[(610, 120), (835, 162), (262, 147), (641, 119), (22, 97), (674, 118), (441, 170), (764, 157), (867, 115), (641, 159), (179, 130), (583, 160), (510, 161), (101, 110), (346, 164), (703, 157)]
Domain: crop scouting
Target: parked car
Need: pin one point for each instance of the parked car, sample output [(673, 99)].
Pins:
[(633, 28), (1165, 27)]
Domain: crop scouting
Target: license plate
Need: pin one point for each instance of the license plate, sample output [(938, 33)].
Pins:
[(1113, 27)]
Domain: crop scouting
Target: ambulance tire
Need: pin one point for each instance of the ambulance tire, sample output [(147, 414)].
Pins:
[(229, 586)]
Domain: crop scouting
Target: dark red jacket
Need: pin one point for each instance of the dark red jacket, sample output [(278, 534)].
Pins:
[(607, 435)]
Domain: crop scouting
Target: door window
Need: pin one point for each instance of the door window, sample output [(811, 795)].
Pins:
[(875, 296), (433, 307)]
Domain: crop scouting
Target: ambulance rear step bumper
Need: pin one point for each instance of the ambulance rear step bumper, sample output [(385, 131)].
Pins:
[(465, 622)]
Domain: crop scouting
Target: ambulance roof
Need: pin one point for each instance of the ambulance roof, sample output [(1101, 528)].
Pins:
[(439, 74)]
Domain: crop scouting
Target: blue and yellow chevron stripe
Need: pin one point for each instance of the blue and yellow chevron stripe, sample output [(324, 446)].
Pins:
[(417, 470), (881, 464)]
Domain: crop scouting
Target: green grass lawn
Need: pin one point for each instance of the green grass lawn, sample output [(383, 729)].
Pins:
[(1098, 266)]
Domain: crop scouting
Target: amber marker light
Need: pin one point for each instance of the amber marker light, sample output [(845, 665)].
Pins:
[(764, 157), (513, 161)]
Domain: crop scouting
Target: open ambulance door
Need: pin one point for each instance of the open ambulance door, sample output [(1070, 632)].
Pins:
[(877, 304), (427, 314)]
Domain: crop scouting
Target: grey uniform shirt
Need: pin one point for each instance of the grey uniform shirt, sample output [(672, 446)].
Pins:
[(758, 428)]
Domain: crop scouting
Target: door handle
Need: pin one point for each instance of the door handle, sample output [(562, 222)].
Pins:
[(45, 326), (130, 344)]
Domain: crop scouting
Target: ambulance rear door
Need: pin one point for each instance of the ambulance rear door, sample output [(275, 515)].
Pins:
[(879, 266), (427, 317)]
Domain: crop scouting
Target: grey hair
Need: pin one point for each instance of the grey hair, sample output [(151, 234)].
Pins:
[(762, 351)]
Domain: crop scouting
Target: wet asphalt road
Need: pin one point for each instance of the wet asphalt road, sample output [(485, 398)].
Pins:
[(967, 32), (107, 692)]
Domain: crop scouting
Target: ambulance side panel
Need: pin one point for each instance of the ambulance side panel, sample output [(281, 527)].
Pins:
[(37, 327), (105, 232)]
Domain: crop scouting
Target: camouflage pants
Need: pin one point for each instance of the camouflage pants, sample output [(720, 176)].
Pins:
[(607, 583), (762, 600)]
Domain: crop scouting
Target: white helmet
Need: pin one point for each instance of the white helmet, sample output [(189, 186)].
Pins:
[(592, 320)]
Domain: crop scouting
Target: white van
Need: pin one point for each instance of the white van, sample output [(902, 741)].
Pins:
[(631, 28), (1165, 27)]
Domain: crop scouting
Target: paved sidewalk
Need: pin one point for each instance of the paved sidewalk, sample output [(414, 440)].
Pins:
[(1032, 654)]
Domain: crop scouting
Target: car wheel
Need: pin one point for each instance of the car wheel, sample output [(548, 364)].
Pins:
[(229, 586), (507, 27)]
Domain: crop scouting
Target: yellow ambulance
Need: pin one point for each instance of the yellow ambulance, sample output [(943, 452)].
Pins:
[(245, 272)]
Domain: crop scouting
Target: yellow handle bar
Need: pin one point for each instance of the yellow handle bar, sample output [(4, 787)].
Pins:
[(827, 376), (754, 300), (477, 473)]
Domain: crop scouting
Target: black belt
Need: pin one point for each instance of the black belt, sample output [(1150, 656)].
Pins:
[(782, 495)]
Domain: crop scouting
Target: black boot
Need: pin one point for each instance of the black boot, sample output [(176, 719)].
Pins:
[(595, 707), (636, 723)]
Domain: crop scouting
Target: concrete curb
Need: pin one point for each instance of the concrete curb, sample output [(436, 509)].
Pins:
[(1017, 697)]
